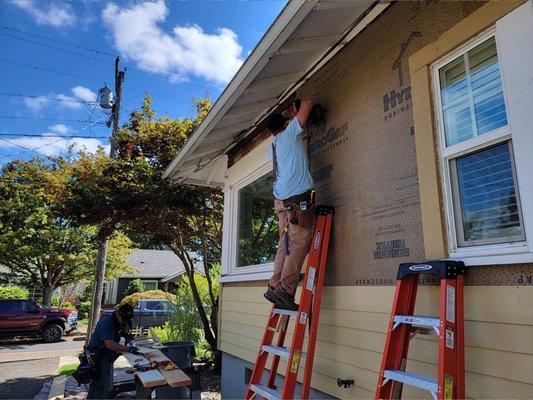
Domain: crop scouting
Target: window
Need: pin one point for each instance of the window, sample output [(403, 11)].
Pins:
[(482, 196), (257, 223), (149, 285)]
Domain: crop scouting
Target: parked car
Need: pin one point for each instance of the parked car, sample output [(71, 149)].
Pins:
[(149, 312), (27, 318)]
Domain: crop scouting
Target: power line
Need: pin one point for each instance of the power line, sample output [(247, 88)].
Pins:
[(88, 79), (53, 136), (57, 41), (157, 69), (72, 135), (31, 96), (44, 119)]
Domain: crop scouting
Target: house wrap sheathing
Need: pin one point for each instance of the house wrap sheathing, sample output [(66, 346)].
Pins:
[(387, 163)]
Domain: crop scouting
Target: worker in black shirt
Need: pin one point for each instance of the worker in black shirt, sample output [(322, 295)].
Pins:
[(105, 344)]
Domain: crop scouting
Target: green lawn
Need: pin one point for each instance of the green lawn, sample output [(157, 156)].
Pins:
[(68, 369)]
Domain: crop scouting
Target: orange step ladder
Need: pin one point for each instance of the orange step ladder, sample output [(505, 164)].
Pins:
[(308, 313), (403, 325)]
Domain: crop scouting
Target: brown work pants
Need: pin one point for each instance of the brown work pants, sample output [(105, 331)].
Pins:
[(287, 267)]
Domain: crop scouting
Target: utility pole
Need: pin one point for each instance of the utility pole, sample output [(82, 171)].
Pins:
[(98, 288)]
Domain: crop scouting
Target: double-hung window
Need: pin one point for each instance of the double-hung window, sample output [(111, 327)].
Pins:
[(482, 196)]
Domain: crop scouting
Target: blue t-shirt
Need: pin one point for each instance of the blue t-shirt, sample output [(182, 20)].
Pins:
[(292, 175), (106, 329)]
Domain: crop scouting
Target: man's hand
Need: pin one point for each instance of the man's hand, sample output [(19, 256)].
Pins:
[(133, 350), (303, 113)]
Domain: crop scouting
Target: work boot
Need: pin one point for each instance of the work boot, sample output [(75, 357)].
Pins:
[(285, 299), (270, 296)]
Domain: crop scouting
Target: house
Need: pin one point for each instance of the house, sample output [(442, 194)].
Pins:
[(425, 154), (157, 269)]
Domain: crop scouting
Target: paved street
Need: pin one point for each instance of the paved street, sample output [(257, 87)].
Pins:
[(25, 365), (35, 349), (24, 379)]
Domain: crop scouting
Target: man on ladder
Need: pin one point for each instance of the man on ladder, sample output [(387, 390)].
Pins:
[(293, 202)]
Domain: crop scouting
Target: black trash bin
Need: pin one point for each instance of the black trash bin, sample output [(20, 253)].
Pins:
[(182, 355)]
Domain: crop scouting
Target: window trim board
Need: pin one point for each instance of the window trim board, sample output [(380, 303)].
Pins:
[(446, 154), (251, 167)]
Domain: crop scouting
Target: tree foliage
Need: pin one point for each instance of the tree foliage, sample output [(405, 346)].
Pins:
[(130, 192), (39, 246), (12, 293)]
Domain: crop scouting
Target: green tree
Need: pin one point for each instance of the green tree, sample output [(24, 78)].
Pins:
[(130, 192), (40, 247)]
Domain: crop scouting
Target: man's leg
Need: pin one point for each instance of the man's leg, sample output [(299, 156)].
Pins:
[(300, 240), (280, 254), (100, 387)]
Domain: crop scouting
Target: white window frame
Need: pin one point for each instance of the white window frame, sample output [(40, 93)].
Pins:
[(488, 254), (248, 169)]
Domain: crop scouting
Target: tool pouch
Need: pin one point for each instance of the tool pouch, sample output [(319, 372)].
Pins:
[(88, 368), (302, 209)]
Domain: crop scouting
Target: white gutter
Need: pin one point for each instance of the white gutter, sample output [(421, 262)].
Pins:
[(290, 17)]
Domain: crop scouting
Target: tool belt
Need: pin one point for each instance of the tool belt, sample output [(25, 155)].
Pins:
[(301, 209), (88, 368)]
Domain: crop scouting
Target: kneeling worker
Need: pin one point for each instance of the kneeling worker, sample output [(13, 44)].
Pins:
[(293, 202), (105, 344)]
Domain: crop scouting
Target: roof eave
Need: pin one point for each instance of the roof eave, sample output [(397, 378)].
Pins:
[(290, 17)]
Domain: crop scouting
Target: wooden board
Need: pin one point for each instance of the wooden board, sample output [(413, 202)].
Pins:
[(151, 378), (155, 355), (176, 378)]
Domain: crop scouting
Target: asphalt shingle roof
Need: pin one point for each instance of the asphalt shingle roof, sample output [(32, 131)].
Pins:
[(157, 263)]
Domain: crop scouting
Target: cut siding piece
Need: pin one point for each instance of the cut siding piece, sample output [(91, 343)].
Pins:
[(151, 378), (176, 378)]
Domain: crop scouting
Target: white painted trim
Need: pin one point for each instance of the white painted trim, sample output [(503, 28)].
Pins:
[(257, 276), (251, 167), (502, 253), (515, 41)]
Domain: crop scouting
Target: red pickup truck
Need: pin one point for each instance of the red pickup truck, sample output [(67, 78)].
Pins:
[(27, 318)]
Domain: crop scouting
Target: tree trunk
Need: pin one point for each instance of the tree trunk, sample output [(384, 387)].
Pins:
[(47, 295), (98, 288)]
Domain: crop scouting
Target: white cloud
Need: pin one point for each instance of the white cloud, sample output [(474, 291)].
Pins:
[(35, 104), (57, 14), (69, 102), (187, 51), (60, 129), (83, 93)]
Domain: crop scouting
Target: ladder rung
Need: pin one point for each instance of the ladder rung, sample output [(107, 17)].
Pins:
[(265, 392), (421, 320), (280, 311), (420, 381), (283, 352)]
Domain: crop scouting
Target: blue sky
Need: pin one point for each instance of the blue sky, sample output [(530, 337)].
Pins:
[(175, 50)]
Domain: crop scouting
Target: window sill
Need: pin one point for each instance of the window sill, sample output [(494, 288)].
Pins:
[(515, 253), (246, 277)]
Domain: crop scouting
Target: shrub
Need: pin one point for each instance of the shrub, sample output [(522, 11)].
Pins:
[(13, 292), (184, 323), (134, 286), (133, 299), (84, 309)]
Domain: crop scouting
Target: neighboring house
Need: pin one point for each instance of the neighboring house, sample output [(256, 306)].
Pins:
[(425, 154), (157, 269)]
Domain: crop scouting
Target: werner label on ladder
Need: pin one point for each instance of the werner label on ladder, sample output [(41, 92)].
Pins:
[(306, 314)]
